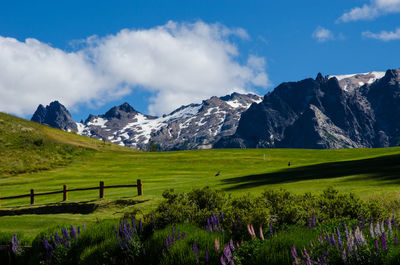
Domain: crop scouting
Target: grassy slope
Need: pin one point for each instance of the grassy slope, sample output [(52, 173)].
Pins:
[(367, 172)]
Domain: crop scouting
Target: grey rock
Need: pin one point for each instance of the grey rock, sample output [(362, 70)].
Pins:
[(54, 115)]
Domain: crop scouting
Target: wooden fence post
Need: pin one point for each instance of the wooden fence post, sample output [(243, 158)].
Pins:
[(65, 193), (101, 193), (139, 187), (32, 196)]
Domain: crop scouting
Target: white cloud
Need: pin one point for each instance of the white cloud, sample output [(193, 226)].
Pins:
[(383, 35), (179, 63), (372, 10), (322, 34)]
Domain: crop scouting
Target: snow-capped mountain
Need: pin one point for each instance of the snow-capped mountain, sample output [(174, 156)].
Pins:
[(189, 127)]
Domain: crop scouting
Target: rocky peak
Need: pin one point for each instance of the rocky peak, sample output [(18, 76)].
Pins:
[(120, 111), (320, 78), (54, 115)]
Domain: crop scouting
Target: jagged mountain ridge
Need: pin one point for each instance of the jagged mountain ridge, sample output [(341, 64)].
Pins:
[(188, 127), (359, 110)]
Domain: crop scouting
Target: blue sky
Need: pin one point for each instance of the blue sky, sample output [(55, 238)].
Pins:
[(288, 40)]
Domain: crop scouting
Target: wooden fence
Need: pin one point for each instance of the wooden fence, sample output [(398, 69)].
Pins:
[(65, 191)]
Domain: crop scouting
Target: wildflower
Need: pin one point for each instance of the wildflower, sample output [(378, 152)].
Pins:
[(217, 245), (371, 230), (390, 228), (308, 260), (206, 258), (15, 245), (314, 220), (167, 243), (222, 259), (339, 238), (333, 240), (118, 239), (250, 230), (261, 233), (359, 237), (328, 239), (195, 249), (384, 241), (271, 232), (378, 230), (376, 245), (231, 245), (294, 255), (222, 215), (396, 241), (228, 254), (393, 221), (253, 234)]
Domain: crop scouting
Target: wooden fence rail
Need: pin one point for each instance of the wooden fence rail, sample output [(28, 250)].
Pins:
[(65, 191)]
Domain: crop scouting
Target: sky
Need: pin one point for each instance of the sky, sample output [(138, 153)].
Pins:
[(159, 55)]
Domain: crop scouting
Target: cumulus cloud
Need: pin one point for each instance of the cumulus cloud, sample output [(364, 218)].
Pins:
[(372, 10), (322, 34), (383, 35), (179, 63)]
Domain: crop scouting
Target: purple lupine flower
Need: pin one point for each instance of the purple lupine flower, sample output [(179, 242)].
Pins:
[(179, 235), (84, 225), (271, 232), (308, 259), (79, 230), (333, 240), (294, 255), (47, 245), (15, 245), (339, 238), (328, 239), (231, 245), (371, 230), (393, 221), (378, 231), (314, 220), (167, 245), (118, 239), (320, 240), (222, 215), (384, 241), (228, 253), (376, 245), (346, 230), (222, 259), (183, 235), (309, 223), (359, 237), (206, 258), (73, 232), (195, 249), (173, 234)]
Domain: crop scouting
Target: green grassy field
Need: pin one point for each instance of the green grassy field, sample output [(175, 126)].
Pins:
[(83, 162)]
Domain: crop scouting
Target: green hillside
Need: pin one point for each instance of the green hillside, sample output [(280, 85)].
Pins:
[(82, 162), (28, 147)]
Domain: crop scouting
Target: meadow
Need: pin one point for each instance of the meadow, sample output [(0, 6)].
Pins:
[(37, 157)]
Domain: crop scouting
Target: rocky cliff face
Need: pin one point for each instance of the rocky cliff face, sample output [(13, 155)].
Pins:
[(54, 115), (358, 110)]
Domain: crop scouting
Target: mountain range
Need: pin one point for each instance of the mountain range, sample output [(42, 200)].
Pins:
[(195, 126), (334, 111)]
